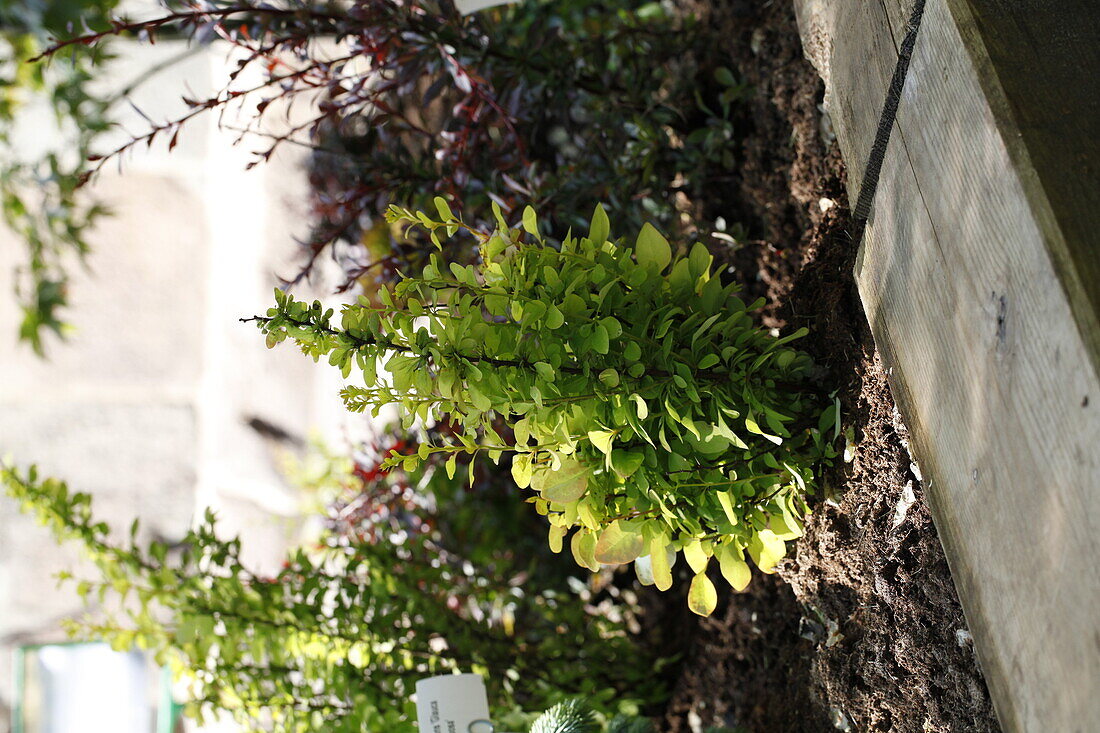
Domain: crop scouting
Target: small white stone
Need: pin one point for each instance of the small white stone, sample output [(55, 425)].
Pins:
[(963, 638), (825, 204), (908, 498)]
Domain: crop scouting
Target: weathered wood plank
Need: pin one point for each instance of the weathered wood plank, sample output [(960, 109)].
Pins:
[(851, 42), (989, 367), (1040, 71)]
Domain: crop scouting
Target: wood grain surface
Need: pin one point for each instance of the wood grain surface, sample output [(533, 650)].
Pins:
[(991, 364)]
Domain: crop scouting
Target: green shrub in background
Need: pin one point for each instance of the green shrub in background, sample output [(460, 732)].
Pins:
[(337, 639), (648, 412), (479, 521), (478, 107), (640, 117), (38, 191)]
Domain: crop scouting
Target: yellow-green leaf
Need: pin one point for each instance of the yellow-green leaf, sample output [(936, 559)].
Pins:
[(696, 556), (752, 426), (583, 546), (785, 526), (554, 318), (617, 546), (766, 550), (521, 469), (530, 221), (734, 568), (522, 431), (662, 568), (702, 595), (566, 484), (556, 535), (627, 462), (601, 439)]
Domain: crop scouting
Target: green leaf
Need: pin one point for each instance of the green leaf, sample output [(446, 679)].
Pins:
[(652, 248), (443, 208), (493, 247), (598, 341), (702, 595), (600, 227), (627, 462), (785, 526), (643, 410), (554, 318), (564, 485), (499, 216), (478, 398), (699, 260), (617, 546), (752, 427), (612, 326), (680, 278), (725, 498), (827, 419)]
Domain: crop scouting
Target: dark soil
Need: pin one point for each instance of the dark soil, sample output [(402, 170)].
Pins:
[(862, 629)]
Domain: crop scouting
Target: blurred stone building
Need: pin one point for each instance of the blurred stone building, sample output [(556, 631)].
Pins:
[(152, 404)]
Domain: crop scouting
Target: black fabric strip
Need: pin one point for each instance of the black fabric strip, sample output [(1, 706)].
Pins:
[(886, 125)]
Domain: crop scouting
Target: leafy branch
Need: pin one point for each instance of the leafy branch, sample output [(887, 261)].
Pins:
[(618, 441)]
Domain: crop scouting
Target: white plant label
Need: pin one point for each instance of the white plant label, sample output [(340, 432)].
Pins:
[(472, 6), (453, 703)]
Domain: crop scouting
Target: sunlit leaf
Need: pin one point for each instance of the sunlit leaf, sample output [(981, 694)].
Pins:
[(702, 595)]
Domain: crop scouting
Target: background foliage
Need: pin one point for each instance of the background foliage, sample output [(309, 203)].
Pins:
[(38, 191), (338, 638), (409, 100)]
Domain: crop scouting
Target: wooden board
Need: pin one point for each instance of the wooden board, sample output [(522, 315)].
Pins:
[(990, 366), (1041, 75)]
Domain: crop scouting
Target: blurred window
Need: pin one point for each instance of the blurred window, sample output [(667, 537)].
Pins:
[(88, 687)]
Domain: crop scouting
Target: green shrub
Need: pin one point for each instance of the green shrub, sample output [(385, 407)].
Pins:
[(647, 409), (338, 638), (570, 716), (576, 716)]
